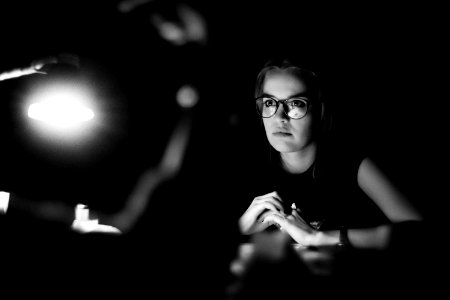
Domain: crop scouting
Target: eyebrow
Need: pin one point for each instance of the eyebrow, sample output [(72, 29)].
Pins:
[(303, 95)]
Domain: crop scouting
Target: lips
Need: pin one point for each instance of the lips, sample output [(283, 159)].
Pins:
[(281, 133)]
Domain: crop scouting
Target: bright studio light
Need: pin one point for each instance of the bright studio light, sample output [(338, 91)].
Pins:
[(69, 116), (63, 112), (62, 107)]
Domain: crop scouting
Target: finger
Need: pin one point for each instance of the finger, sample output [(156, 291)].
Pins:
[(257, 209), (297, 215), (249, 223), (297, 218), (271, 202), (275, 195), (269, 199), (254, 214), (272, 194), (271, 212), (275, 218), (264, 215), (300, 223), (266, 205)]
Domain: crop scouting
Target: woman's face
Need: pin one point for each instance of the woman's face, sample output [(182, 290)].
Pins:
[(283, 133)]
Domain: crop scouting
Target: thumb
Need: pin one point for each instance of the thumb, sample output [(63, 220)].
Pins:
[(295, 213), (290, 217)]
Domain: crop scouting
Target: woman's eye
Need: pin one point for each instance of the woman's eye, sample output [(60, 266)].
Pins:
[(298, 103), (269, 102)]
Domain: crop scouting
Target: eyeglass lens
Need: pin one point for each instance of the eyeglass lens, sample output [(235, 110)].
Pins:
[(294, 108)]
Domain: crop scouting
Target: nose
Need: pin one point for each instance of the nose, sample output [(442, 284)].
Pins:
[(281, 114)]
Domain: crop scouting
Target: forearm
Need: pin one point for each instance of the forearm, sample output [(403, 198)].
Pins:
[(375, 237)]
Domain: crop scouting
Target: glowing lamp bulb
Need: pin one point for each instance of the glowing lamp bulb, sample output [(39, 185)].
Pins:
[(60, 113)]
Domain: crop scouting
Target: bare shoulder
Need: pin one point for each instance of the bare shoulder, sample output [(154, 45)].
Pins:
[(368, 167), (378, 186)]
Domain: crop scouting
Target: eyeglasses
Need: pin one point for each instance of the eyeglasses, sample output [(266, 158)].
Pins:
[(295, 108)]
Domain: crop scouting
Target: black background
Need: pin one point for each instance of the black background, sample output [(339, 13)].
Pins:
[(382, 67), (380, 64)]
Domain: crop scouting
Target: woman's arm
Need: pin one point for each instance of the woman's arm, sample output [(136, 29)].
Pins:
[(382, 191), (373, 237), (388, 198)]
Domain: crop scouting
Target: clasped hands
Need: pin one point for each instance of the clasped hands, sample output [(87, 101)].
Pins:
[(268, 210)]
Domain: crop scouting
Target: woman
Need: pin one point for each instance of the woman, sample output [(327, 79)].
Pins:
[(321, 195)]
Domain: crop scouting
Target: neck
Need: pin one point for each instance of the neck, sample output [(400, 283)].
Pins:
[(299, 161)]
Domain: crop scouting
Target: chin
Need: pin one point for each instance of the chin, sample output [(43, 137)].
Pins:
[(285, 147)]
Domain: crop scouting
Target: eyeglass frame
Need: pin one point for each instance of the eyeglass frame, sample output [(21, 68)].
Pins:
[(283, 102)]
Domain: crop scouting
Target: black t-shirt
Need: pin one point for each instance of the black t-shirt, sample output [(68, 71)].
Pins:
[(327, 194)]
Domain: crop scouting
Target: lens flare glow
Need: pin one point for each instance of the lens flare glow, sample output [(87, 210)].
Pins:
[(60, 113), (61, 108), (70, 118)]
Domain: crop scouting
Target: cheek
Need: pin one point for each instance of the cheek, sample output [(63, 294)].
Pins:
[(266, 123), (303, 127)]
